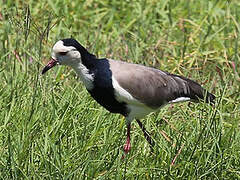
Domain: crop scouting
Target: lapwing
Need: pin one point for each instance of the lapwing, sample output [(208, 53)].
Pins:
[(129, 89)]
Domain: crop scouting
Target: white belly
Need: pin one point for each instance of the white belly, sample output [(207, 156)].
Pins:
[(138, 112)]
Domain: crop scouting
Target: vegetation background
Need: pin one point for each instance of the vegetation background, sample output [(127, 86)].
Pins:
[(50, 128)]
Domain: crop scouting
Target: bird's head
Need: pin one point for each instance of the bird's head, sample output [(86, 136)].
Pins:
[(65, 52)]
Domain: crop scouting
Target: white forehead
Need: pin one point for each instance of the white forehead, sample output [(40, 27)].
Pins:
[(59, 47)]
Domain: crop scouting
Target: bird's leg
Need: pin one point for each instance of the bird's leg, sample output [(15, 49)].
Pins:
[(127, 146), (146, 134)]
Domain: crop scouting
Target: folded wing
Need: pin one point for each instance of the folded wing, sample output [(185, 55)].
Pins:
[(154, 87)]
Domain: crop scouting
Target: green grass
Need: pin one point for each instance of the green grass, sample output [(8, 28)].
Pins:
[(50, 128)]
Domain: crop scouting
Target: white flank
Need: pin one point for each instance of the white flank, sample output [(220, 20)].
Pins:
[(138, 112), (180, 99), (122, 95), (137, 109)]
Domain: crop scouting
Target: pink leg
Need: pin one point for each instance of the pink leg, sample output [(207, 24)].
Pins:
[(127, 146)]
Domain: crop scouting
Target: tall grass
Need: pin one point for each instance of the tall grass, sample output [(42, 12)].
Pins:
[(50, 128)]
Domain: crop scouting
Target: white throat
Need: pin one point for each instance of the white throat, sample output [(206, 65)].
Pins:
[(84, 75)]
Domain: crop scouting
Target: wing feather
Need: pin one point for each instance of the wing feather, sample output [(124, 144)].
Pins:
[(154, 87)]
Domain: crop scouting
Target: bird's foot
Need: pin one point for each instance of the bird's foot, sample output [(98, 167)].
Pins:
[(127, 147)]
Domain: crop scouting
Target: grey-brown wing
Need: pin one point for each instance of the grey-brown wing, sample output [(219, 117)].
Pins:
[(152, 86)]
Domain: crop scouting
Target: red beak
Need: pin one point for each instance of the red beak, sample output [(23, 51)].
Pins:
[(50, 64)]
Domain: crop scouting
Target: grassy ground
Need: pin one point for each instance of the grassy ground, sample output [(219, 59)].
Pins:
[(50, 128)]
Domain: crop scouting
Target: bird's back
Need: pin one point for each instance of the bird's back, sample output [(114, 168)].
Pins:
[(154, 87)]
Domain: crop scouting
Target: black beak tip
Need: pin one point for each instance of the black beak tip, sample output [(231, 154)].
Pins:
[(50, 64), (45, 69)]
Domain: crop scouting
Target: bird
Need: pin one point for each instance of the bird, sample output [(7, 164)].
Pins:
[(132, 90)]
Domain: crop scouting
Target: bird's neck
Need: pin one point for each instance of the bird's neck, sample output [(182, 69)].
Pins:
[(85, 75)]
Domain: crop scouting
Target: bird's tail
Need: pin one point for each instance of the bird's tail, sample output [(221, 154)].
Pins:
[(198, 92), (195, 91)]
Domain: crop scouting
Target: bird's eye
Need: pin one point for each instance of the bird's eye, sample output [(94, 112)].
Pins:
[(62, 53)]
